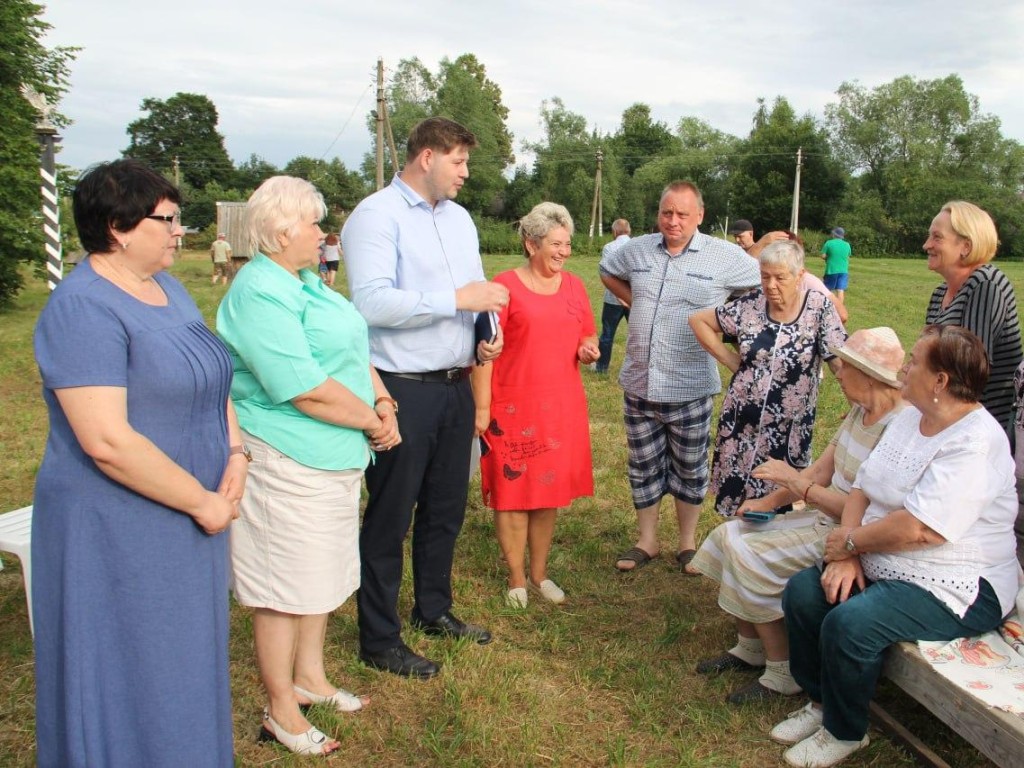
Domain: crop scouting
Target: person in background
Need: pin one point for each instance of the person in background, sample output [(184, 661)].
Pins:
[(668, 382), (413, 264), (530, 406), (142, 475), (331, 256), (925, 549), (836, 253), (975, 294), (783, 335), (311, 408), (613, 311), (753, 560), (220, 254), (742, 232)]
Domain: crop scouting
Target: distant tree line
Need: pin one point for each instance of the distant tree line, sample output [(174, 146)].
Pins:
[(879, 162)]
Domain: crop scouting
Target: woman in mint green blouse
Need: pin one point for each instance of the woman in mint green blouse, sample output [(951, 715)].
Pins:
[(311, 408)]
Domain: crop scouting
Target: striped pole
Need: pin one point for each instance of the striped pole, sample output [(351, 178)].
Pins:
[(51, 206)]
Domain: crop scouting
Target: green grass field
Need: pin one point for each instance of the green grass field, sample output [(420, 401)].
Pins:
[(605, 680)]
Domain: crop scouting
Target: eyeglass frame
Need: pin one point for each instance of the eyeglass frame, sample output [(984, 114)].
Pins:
[(168, 219)]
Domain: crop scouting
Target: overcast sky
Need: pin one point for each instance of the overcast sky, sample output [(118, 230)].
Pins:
[(297, 78)]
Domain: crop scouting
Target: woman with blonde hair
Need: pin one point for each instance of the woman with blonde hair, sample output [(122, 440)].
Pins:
[(531, 411), (311, 407), (976, 295)]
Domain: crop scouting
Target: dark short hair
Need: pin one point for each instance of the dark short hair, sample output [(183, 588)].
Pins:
[(439, 134), (116, 195), (961, 355)]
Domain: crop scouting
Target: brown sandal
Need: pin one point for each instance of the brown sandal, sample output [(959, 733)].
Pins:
[(684, 558), (636, 556)]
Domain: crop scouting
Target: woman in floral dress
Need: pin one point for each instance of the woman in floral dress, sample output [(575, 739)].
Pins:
[(783, 334)]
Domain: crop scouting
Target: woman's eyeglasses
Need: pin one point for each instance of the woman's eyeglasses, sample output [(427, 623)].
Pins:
[(171, 220)]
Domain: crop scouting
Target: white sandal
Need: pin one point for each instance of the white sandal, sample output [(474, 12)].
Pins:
[(309, 743), (342, 700)]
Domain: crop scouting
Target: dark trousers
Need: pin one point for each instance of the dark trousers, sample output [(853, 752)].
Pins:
[(428, 471), (836, 651), (611, 316)]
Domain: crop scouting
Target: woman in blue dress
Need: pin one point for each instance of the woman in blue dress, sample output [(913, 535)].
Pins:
[(143, 472)]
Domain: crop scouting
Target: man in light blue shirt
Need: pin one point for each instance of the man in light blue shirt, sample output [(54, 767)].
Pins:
[(413, 263), (668, 380)]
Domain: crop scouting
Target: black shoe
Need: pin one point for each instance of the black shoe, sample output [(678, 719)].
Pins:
[(447, 625), (725, 663), (752, 693), (401, 660)]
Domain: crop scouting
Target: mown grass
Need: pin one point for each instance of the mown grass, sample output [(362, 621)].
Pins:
[(605, 680)]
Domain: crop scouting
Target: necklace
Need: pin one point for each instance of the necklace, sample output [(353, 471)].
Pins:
[(547, 287)]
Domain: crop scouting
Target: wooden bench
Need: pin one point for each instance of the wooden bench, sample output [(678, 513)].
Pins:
[(996, 734)]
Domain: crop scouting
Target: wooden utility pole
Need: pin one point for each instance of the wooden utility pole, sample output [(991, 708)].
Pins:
[(794, 215), (597, 208), (380, 123), (395, 167)]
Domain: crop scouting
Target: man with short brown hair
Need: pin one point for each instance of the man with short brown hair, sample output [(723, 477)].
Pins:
[(413, 263)]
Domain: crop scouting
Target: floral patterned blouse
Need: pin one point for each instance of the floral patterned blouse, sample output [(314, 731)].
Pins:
[(768, 411)]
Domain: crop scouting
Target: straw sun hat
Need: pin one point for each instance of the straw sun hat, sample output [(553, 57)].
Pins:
[(876, 352)]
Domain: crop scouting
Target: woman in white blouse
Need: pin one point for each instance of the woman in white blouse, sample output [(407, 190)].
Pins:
[(925, 550)]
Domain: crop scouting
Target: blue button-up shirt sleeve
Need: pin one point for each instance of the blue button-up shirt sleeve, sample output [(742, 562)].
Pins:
[(372, 237), (405, 259)]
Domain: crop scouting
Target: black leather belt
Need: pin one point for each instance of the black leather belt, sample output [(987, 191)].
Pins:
[(451, 376)]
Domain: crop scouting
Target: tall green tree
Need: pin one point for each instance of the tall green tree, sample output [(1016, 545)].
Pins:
[(566, 163), (252, 172), (342, 189), (411, 96), (699, 153), (465, 94), (461, 91), (914, 144), (761, 186), (183, 126), (24, 60), (640, 139)]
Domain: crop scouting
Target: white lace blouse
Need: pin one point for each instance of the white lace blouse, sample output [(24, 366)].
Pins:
[(960, 483)]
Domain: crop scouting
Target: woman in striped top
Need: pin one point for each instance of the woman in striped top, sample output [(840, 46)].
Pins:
[(977, 296)]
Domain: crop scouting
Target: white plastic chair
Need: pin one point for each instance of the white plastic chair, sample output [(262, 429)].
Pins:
[(16, 538)]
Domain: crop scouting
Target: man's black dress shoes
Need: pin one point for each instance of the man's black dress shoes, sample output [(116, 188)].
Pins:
[(401, 660), (448, 626)]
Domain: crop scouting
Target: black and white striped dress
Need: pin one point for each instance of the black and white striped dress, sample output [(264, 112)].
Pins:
[(985, 305)]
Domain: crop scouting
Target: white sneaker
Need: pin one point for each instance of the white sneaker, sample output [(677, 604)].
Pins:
[(798, 725), (516, 598), (550, 591), (822, 750)]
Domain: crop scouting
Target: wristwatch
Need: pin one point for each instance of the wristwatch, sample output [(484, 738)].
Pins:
[(242, 449), (850, 546)]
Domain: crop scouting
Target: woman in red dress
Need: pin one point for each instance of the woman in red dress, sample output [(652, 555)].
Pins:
[(531, 412)]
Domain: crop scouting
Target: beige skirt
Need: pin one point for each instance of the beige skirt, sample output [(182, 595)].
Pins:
[(753, 561), (295, 545)]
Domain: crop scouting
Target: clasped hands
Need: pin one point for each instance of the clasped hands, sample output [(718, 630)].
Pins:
[(385, 436)]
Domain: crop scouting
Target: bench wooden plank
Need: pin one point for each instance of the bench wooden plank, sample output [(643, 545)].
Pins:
[(996, 734)]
